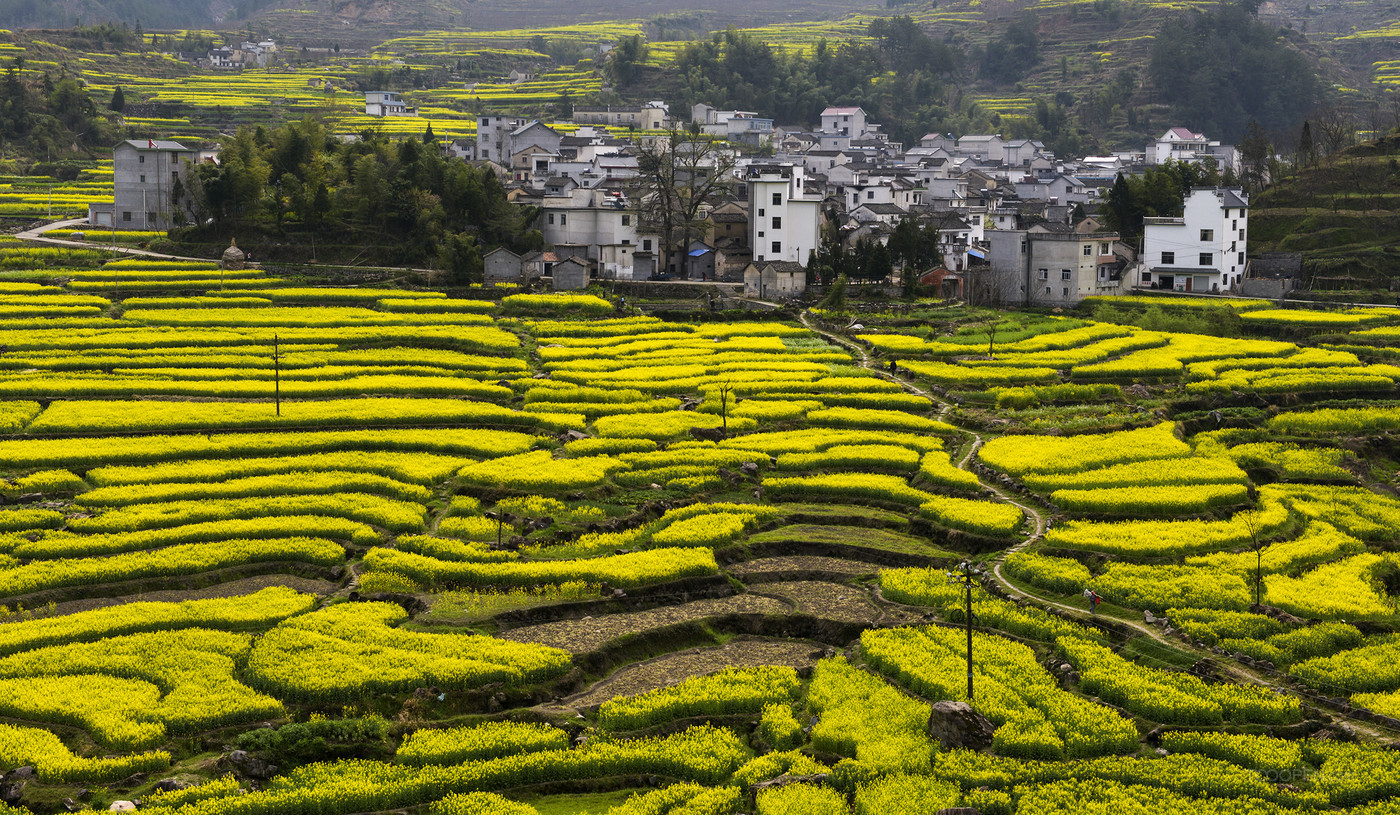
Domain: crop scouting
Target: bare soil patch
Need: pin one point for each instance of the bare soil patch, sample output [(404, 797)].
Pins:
[(669, 669), (801, 567), (588, 634)]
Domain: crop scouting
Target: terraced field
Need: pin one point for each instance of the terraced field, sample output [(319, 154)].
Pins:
[(273, 546)]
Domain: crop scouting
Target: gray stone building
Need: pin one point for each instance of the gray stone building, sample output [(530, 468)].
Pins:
[(1041, 266), (146, 175), (503, 266), (570, 275)]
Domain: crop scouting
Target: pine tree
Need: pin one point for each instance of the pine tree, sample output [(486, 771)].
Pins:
[(1307, 154), (118, 100)]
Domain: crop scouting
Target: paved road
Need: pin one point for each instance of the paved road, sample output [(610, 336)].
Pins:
[(36, 235)]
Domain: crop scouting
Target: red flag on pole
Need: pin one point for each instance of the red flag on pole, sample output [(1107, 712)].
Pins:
[(151, 143)]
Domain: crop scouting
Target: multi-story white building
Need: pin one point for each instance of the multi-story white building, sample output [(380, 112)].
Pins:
[(784, 220), (1204, 249), (493, 137), (845, 121)]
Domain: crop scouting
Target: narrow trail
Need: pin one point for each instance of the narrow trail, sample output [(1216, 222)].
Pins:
[(1038, 521), (944, 408)]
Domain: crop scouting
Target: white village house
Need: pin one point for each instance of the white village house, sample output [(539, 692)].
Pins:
[(784, 219), (1181, 144), (1204, 249), (387, 103)]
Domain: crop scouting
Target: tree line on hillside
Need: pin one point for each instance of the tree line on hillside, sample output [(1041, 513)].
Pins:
[(47, 118), (371, 199), (1224, 68), (912, 248)]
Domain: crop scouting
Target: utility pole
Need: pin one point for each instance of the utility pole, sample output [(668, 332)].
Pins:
[(966, 574), (277, 374)]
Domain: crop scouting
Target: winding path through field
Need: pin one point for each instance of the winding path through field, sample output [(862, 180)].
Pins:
[(1038, 521)]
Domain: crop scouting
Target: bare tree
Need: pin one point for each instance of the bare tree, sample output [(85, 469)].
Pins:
[(1336, 127), (682, 175), (725, 390), (1254, 527)]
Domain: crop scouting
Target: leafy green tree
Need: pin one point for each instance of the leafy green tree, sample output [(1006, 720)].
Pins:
[(835, 299), (393, 201), (1011, 56), (624, 61)]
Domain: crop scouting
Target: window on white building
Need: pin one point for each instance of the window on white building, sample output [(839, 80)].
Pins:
[(551, 217), (777, 222), (1205, 258), (1043, 274), (1168, 258), (1066, 292), (563, 219), (627, 220), (1207, 234), (777, 199), (1065, 274), (646, 245), (777, 247), (1088, 250)]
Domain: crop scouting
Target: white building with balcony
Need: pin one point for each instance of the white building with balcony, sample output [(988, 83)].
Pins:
[(1181, 144), (1204, 249)]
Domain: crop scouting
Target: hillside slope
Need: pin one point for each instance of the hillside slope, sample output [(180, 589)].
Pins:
[(150, 13), (1343, 215)]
